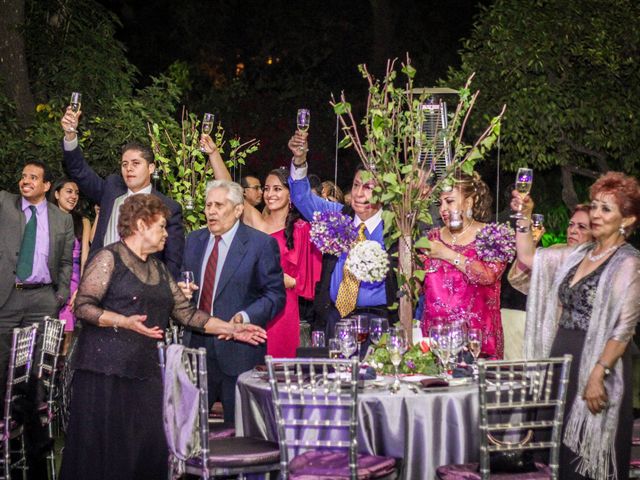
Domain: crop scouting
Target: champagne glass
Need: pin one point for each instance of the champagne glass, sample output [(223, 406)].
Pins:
[(474, 341), (188, 203), (207, 125), (439, 343), (457, 340), (187, 277), (303, 118), (396, 346), (361, 323), (75, 102), (378, 327), (524, 180), (455, 221), (537, 225)]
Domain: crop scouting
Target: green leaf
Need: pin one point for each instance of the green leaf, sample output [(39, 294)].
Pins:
[(342, 108), (409, 71), (422, 242), (419, 274), (345, 142)]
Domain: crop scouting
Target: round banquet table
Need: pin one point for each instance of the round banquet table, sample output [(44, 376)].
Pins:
[(425, 428)]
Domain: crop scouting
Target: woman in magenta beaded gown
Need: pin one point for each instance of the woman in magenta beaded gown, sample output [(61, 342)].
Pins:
[(462, 281)]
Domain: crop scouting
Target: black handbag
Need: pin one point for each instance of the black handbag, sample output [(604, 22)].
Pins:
[(519, 461)]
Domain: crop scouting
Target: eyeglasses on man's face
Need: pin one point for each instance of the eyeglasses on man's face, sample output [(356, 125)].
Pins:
[(254, 187)]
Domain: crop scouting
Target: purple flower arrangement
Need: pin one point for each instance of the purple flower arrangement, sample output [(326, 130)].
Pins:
[(332, 232), (496, 242)]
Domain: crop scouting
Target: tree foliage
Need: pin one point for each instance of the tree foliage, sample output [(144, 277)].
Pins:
[(71, 47), (569, 72)]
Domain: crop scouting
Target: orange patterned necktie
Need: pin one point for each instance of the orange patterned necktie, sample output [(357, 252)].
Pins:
[(348, 291)]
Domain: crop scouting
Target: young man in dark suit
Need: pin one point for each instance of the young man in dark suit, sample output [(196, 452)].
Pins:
[(238, 272), (109, 193)]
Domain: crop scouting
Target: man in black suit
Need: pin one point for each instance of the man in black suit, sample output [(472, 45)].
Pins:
[(239, 274), (137, 165)]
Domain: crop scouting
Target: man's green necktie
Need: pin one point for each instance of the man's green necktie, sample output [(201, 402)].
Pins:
[(28, 247)]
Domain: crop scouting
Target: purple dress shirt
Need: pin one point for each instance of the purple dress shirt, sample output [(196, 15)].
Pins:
[(40, 272)]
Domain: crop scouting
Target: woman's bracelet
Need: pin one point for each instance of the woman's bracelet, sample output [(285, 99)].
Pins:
[(115, 324)]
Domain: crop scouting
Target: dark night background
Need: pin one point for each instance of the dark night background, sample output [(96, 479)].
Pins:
[(255, 63)]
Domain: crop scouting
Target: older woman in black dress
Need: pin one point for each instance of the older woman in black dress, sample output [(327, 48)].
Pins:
[(125, 300), (583, 300)]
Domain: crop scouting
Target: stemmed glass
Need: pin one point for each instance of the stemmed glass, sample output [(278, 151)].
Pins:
[(455, 220), (440, 343), (396, 346), (207, 125), (361, 323), (75, 102), (457, 340), (346, 335), (378, 326), (474, 342), (303, 119), (537, 225), (524, 180)]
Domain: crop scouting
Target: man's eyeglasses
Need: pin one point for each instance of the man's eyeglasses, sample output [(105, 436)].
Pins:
[(254, 187)]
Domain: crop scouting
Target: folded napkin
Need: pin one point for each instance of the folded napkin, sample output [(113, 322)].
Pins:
[(367, 373), (433, 382), (462, 371)]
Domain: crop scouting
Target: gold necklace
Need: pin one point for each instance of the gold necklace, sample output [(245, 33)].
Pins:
[(454, 238)]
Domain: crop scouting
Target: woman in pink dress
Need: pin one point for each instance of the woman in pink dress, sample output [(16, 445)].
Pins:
[(66, 195), (462, 281), (300, 260)]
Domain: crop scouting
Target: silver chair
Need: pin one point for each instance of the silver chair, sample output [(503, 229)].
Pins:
[(47, 374), (210, 457), (20, 360), (521, 409), (325, 445)]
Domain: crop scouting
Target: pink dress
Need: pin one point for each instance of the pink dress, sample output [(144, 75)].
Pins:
[(304, 263), (67, 313), (472, 295)]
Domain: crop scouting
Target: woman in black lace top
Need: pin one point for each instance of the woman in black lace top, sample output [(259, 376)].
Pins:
[(584, 301), (125, 300)]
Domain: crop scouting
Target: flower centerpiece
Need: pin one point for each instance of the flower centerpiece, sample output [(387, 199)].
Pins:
[(332, 232), (418, 359), (496, 242), (368, 261)]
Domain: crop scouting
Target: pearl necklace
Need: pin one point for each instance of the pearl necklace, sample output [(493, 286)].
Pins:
[(454, 238), (600, 256)]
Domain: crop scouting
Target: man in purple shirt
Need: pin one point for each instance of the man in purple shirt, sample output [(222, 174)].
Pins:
[(34, 271)]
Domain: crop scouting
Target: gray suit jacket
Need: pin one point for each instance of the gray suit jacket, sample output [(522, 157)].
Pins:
[(61, 238)]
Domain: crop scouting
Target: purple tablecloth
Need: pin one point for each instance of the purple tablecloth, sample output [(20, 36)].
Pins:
[(425, 429)]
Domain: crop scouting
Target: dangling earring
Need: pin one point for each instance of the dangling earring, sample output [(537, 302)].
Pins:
[(621, 231), (469, 213)]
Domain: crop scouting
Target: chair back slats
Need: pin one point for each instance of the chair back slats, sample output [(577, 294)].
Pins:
[(21, 357), (510, 393), (316, 383), (50, 353)]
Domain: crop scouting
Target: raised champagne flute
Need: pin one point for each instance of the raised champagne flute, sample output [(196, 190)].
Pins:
[(303, 119), (396, 346), (537, 226), (75, 102), (524, 180), (207, 125)]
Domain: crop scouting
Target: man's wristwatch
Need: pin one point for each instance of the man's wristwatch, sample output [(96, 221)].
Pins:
[(605, 367)]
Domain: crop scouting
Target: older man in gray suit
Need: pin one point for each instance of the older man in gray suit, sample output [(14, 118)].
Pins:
[(36, 247)]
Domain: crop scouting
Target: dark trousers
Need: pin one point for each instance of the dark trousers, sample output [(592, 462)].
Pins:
[(219, 385), (24, 308)]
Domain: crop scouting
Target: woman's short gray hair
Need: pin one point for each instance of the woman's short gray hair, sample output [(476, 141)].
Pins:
[(235, 193)]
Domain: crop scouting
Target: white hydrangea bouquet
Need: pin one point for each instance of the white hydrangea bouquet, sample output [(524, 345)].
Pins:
[(368, 261)]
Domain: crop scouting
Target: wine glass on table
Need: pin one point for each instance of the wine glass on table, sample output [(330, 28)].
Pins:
[(457, 340), (361, 323), (303, 120), (524, 180), (346, 334), (396, 346), (440, 344), (207, 125), (75, 102), (474, 342), (378, 326), (334, 348)]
